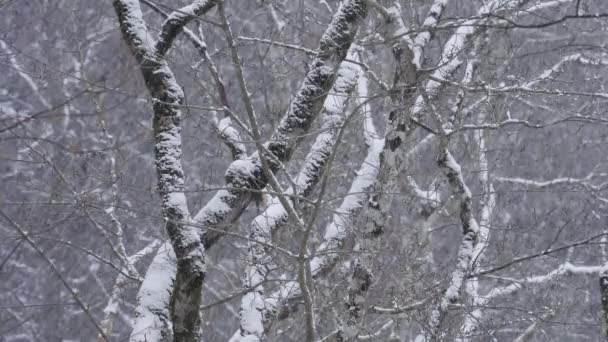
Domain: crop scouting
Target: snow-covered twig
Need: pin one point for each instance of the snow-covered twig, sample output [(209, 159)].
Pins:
[(280, 44), (111, 309), (539, 254), (398, 310), (584, 182)]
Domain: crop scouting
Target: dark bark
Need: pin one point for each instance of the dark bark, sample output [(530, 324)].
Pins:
[(168, 97), (604, 298), (176, 21)]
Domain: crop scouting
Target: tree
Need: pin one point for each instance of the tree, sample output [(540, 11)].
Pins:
[(392, 170)]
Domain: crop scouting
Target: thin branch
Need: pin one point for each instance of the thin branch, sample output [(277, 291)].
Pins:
[(81, 304)]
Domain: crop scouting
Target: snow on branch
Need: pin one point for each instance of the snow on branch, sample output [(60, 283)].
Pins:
[(152, 319), (545, 252), (584, 182), (112, 308), (542, 5), (338, 231), (280, 44), (335, 117), (231, 137), (409, 58), (428, 25), (488, 203), (457, 43), (275, 215), (177, 20), (470, 230), (550, 73), (245, 174), (224, 127), (437, 79), (168, 97), (398, 310), (525, 123), (133, 26), (518, 284)]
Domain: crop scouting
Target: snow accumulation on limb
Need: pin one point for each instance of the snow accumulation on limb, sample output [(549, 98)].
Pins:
[(231, 137), (168, 97), (334, 117), (245, 174), (152, 318), (275, 215), (470, 230), (133, 28), (111, 309), (518, 284), (549, 74), (488, 202), (398, 310), (584, 182), (224, 127), (338, 231), (428, 25), (409, 56), (177, 21), (457, 43)]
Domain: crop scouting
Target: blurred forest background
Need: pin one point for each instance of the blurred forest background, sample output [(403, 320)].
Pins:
[(483, 219)]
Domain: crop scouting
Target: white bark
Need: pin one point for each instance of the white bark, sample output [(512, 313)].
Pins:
[(275, 215)]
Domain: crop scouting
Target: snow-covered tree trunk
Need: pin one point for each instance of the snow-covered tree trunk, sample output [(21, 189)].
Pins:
[(168, 97), (242, 174), (409, 56), (470, 231), (359, 284)]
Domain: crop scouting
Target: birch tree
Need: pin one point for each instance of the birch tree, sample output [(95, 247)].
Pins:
[(274, 170)]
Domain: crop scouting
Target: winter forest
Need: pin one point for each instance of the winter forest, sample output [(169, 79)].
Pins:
[(303, 170)]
